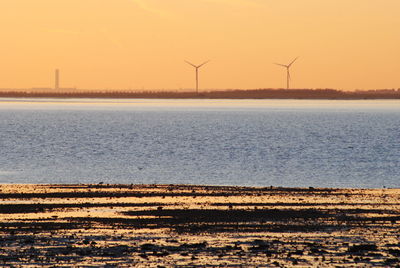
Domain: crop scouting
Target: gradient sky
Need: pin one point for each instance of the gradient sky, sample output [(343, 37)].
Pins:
[(142, 44)]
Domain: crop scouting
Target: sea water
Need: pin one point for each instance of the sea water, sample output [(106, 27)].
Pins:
[(293, 143)]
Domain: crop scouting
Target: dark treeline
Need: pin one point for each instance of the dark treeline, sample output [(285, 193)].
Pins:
[(220, 94)]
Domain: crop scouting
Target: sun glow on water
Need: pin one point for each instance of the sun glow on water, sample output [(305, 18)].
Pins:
[(221, 142)]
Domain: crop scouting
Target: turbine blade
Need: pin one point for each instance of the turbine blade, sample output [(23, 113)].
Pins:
[(191, 64), (293, 61), (203, 63), (281, 65)]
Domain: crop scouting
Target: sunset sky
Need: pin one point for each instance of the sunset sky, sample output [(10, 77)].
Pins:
[(142, 44)]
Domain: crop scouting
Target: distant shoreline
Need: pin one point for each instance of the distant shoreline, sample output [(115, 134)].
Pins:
[(320, 94)]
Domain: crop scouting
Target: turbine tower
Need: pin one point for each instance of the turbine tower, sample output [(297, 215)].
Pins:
[(287, 71), (197, 67), (57, 79)]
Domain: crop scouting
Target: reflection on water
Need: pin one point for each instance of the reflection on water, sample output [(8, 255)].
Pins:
[(239, 142), (84, 104)]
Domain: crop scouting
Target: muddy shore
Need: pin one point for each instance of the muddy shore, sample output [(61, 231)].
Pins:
[(194, 226)]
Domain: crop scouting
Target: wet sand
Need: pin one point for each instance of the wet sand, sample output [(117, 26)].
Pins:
[(189, 226)]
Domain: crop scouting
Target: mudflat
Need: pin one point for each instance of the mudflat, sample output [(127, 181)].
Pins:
[(188, 225)]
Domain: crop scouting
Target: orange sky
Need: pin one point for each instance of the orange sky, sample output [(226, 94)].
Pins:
[(142, 44)]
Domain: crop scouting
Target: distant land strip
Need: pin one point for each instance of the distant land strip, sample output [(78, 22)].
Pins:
[(217, 94)]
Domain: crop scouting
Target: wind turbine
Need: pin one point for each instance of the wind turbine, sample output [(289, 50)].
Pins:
[(287, 71), (197, 67)]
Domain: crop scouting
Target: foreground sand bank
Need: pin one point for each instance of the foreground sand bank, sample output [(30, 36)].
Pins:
[(181, 225)]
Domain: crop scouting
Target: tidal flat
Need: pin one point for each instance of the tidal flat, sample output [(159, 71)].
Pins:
[(195, 226)]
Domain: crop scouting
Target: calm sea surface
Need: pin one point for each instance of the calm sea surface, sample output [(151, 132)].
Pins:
[(220, 142)]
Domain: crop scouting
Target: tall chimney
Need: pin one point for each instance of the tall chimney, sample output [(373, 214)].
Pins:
[(57, 79)]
